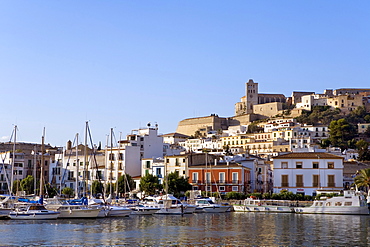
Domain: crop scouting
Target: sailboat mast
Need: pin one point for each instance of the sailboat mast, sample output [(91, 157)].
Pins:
[(13, 160), (85, 162), (206, 174), (77, 167), (34, 171), (42, 165), (118, 165), (111, 163)]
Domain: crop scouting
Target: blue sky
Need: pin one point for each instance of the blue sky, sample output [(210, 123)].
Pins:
[(121, 64)]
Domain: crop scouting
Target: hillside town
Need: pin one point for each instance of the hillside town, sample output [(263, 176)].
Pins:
[(273, 143)]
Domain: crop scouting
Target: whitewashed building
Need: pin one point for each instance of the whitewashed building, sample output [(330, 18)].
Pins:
[(307, 173)]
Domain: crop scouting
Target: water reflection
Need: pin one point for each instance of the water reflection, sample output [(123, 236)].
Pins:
[(199, 229)]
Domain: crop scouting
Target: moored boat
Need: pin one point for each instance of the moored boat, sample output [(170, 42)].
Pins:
[(206, 205), (167, 204), (143, 210), (32, 212), (273, 206), (352, 202), (69, 211)]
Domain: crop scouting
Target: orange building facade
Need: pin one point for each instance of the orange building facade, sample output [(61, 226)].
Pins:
[(223, 177)]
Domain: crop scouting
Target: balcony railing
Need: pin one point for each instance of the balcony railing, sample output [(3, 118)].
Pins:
[(315, 185), (331, 184), (235, 181), (194, 181), (221, 181), (284, 184), (299, 185)]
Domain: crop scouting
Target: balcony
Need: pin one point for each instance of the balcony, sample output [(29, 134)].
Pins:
[(221, 181), (299, 185), (331, 184), (194, 181), (235, 181), (284, 184)]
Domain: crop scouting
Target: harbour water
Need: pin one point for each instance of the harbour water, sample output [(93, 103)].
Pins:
[(231, 229)]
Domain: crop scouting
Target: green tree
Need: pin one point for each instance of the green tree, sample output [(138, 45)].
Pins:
[(108, 188), (27, 184), (149, 184), (363, 150), (177, 185), (325, 143), (97, 188), (341, 132), (125, 184), (16, 186), (363, 178), (68, 192), (50, 190), (254, 128)]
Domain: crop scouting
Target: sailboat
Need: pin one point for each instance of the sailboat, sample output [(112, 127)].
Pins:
[(7, 201), (77, 208), (33, 210), (115, 210)]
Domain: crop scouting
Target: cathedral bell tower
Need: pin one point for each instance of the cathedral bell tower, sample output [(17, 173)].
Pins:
[(251, 96)]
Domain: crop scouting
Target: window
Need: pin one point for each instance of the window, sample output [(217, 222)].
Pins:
[(208, 188), (284, 181), (195, 187), (284, 165), (330, 165), (315, 180), (235, 188), (299, 180), (208, 177), (221, 177), (331, 181), (298, 165), (222, 188), (315, 165), (158, 172), (235, 177), (195, 177), (111, 156), (148, 164), (120, 156)]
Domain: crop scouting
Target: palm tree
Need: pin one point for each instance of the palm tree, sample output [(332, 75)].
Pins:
[(363, 178)]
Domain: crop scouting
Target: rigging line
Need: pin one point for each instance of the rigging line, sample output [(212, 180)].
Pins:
[(95, 162), (11, 136), (65, 170), (5, 173)]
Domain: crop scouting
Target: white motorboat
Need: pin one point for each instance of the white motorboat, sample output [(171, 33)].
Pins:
[(206, 205), (118, 211), (143, 210), (32, 212), (167, 204), (68, 211), (6, 205), (253, 204), (352, 202)]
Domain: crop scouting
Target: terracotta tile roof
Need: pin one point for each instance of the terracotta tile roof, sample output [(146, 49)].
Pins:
[(308, 155)]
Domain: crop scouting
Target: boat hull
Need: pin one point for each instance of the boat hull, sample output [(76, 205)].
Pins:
[(215, 209), (333, 210), (116, 211), (33, 216)]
